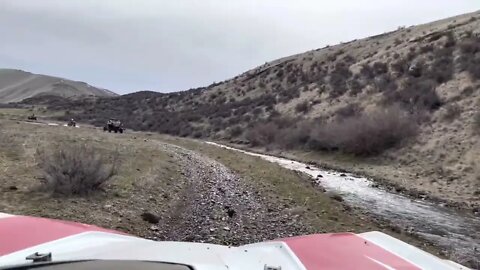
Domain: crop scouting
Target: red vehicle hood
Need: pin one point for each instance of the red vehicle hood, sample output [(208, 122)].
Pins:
[(21, 236)]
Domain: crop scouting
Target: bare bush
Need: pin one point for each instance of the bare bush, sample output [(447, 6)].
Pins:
[(294, 137), (235, 131), (469, 46), (476, 123), (379, 68), (416, 94), (302, 107), (349, 110), (467, 91), (368, 134), (441, 68), (469, 60), (338, 79), (452, 111), (427, 48), (74, 169), (355, 86), (262, 134)]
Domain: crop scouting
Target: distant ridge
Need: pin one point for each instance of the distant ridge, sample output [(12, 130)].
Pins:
[(17, 85)]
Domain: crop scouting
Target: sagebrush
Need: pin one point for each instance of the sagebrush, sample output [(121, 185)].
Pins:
[(75, 169), (359, 134), (368, 134)]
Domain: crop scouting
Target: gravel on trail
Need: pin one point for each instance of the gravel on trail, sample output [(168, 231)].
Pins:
[(217, 206)]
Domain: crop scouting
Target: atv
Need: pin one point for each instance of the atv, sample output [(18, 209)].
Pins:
[(114, 125), (72, 123), (32, 117)]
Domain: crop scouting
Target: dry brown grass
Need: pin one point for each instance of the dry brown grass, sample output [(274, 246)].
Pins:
[(11, 147)]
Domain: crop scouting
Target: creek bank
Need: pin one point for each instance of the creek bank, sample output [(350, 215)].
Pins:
[(452, 230), (379, 182)]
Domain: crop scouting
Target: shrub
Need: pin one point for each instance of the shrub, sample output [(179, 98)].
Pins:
[(416, 94), (74, 169), (450, 41), (355, 86), (436, 36), (262, 134), (442, 68), (469, 46), (470, 58), (367, 72), (400, 66), (385, 83), (302, 107), (293, 137), (379, 68), (476, 123), (474, 67), (349, 59), (338, 79), (235, 131), (452, 111), (368, 134), (467, 91), (198, 134), (426, 48), (350, 110)]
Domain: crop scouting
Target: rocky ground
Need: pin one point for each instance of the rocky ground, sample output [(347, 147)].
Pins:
[(216, 205)]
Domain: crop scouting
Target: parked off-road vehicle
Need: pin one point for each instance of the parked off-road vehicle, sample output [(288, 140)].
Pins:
[(32, 117), (114, 125)]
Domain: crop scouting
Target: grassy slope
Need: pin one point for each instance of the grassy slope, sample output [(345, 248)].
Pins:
[(144, 173)]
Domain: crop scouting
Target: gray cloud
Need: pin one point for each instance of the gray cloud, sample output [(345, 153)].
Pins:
[(175, 45)]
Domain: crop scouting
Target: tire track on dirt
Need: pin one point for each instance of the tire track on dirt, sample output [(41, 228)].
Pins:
[(218, 206)]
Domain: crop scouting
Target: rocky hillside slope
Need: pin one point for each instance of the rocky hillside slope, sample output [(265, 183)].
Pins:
[(410, 98), (17, 85)]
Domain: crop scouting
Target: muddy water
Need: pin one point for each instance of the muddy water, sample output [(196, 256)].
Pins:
[(448, 229)]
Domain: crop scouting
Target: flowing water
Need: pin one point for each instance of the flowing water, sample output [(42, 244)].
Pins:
[(457, 232)]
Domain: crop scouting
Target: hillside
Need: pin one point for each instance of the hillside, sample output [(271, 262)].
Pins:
[(17, 85), (403, 105)]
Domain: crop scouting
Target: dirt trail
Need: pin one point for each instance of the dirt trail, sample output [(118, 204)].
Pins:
[(216, 205)]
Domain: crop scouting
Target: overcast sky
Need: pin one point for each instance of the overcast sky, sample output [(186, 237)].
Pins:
[(164, 46)]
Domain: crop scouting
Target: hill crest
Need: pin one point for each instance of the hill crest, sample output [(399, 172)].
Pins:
[(17, 85)]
